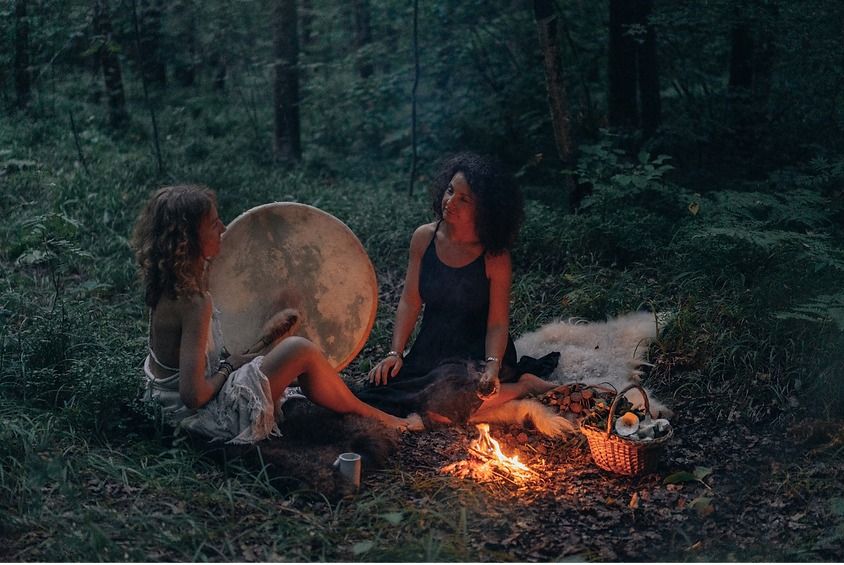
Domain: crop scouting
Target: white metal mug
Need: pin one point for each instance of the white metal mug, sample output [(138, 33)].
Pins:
[(349, 466)]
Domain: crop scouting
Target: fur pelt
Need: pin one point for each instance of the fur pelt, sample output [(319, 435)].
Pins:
[(312, 438), (610, 352), (518, 411), (455, 395)]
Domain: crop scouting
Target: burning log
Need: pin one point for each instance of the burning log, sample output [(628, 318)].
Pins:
[(489, 462)]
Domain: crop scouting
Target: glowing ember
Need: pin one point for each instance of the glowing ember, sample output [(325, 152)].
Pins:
[(489, 446)]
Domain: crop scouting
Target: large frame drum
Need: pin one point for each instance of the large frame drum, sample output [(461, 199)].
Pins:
[(289, 255)]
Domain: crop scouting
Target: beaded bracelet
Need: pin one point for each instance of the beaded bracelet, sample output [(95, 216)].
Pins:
[(225, 367)]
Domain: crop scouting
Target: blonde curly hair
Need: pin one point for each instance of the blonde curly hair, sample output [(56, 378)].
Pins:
[(166, 241)]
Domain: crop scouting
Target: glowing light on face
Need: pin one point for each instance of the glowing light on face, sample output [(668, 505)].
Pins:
[(458, 203)]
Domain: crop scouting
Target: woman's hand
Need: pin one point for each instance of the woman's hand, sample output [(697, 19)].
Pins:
[(388, 368), (489, 385), (239, 360)]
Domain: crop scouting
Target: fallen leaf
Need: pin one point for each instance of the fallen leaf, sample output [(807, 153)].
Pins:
[(694, 208), (702, 505), (362, 547), (679, 477), (394, 518), (701, 473), (634, 501)]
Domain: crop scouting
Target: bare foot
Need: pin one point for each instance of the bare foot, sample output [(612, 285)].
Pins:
[(413, 423)]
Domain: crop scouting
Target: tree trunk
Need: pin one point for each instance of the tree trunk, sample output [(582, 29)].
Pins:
[(748, 89), (286, 81), (152, 63), (651, 108), (413, 101), (306, 18), (363, 35), (741, 57), (548, 29), (184, 66), (622, 66), (23, 71), (110, 64)]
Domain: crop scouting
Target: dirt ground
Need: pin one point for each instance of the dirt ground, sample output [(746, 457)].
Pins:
[(764, 495)]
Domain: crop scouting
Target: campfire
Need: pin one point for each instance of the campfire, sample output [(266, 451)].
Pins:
[(487, 462)]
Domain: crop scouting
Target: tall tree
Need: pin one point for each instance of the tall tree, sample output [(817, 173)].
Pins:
[(548, 29), (741, 56), (648, 70), (184, 66), (622, 66), (286, 81), (149, 48), (306, 19), (634, 99), (23, 70), (363, 35), (109, 63), (413, 90), (751, 58)]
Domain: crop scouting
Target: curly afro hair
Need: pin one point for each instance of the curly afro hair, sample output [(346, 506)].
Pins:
[(499, 208)]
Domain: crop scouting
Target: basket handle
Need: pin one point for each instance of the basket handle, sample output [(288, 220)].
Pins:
[(615, 403)]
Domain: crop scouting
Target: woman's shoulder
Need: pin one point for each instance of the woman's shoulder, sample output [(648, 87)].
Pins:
[(422, 236), (425, 230), (192, 305)]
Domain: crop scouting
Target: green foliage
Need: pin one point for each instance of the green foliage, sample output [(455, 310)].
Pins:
[(47, 240), (629, 198), (738, 235)]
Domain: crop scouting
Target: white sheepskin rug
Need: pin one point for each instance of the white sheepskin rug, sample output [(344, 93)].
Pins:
[(610, 352)]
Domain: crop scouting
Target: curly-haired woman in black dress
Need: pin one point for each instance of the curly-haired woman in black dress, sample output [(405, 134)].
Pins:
[(460, 270)]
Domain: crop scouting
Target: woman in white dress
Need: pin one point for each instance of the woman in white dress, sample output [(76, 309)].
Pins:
[(232, 399)]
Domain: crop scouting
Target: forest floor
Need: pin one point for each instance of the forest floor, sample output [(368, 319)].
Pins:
[(762, 493), (762, 496)]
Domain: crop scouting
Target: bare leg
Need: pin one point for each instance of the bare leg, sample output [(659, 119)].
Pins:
[(296, 357), (535, 385)]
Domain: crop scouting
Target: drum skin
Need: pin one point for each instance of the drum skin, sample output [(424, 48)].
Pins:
[(289, 255)]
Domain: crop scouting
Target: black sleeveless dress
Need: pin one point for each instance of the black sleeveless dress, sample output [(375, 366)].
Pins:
[(453, 327)]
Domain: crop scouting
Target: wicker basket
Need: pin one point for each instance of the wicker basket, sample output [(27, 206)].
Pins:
[(617, 454)]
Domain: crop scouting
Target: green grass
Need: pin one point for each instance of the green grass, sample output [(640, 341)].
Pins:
[(85, 472)]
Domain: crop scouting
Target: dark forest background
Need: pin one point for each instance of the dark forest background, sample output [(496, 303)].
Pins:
[(676, 155)]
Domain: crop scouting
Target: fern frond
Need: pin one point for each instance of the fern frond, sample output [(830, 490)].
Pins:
[(826, 308)]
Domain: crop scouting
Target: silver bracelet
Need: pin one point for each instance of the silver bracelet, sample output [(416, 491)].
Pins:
[(493, 359), (395, 354)]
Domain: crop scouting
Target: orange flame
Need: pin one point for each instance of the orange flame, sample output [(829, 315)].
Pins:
[(489, 446)]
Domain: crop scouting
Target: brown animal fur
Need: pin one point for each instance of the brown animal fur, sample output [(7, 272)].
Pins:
[(312, 438)]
